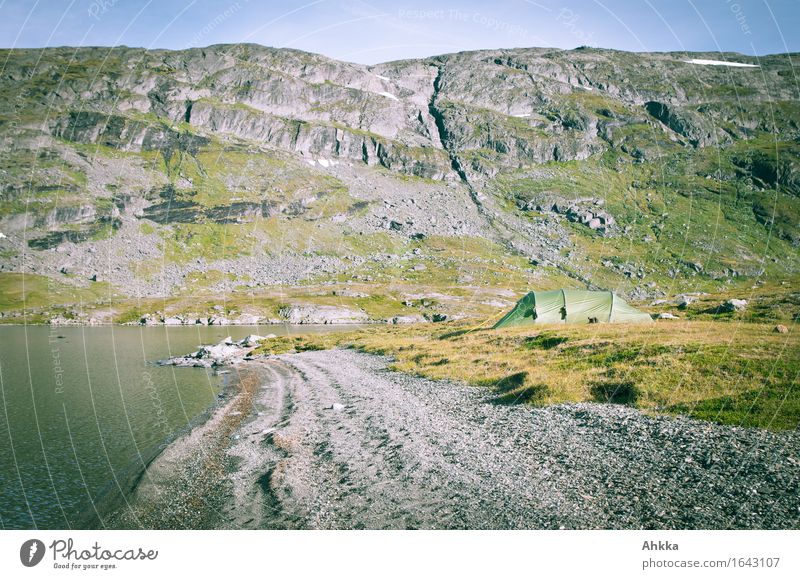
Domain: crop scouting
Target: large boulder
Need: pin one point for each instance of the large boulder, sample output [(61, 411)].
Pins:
[(733, 305), (666, 316), (246, 320), (219, 353)]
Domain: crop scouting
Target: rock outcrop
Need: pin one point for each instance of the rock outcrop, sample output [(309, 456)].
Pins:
[(313, 314), (226, 353)]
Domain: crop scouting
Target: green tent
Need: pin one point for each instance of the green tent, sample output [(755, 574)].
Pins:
[(571, 307)]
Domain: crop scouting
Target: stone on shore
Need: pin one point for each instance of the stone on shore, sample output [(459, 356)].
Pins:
[(254, 340)]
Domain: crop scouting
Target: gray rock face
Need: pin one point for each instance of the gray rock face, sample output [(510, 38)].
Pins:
[(413, 116), (313, 314), (321, 144), (699, 131)]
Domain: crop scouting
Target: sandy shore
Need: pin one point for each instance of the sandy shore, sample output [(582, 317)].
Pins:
[(332, 440)]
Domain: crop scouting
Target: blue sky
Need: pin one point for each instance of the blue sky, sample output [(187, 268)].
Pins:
[(371, 31)]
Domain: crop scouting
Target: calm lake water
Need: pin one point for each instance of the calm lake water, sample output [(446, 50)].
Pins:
[(83, 410)]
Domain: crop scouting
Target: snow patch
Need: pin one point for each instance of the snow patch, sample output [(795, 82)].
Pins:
[(720, 63), (383, 77), (522, 115), (326, 162), (389, 95), (2, 235)]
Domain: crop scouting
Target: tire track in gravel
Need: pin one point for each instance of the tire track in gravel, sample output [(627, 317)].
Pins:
[(406, 452)]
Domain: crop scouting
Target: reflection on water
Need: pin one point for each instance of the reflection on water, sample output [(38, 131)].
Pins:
[(85, 409)]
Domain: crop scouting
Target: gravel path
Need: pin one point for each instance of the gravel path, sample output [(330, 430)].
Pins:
[(407, 452)]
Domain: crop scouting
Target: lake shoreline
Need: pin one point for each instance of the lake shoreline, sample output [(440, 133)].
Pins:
[(115, 500), (178, 487), (334, 439)]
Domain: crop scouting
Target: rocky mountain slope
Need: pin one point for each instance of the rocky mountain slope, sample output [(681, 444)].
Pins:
[(262, 181)]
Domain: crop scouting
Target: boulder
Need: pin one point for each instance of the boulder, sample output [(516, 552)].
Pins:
[(219, 354), (574, 213), (595, 223), (605, 218), (254, 340), (781, 329), (733, 305), (667, 316), (173, 321), (437, 317), (409, 319), (226, 352), (246, 320)]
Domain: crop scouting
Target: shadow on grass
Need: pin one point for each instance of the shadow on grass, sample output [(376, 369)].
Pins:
[(512, 390), (543, 342), (769, 408), (615, 392), (455, 334)]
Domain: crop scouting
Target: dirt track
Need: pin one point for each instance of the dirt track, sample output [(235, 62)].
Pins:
[(406, 452)]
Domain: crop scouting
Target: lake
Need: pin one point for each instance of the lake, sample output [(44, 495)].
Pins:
[(84, 409)]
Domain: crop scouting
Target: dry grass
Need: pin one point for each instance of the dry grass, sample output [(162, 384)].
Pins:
[(729, 372)]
